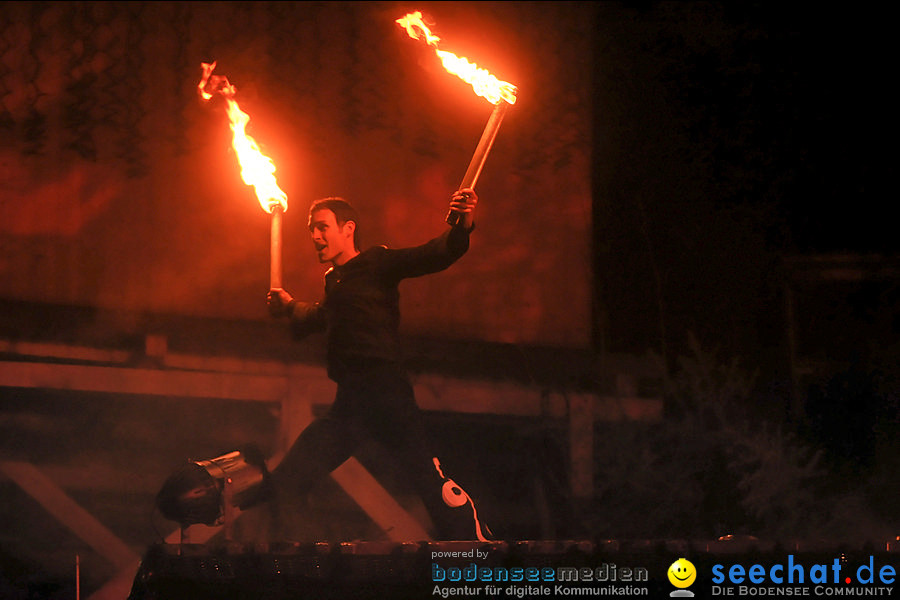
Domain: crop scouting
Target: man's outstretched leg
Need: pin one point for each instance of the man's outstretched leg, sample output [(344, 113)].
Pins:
[(319, 449)]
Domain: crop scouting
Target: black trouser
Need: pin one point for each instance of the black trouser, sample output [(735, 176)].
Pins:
[(376, 403)]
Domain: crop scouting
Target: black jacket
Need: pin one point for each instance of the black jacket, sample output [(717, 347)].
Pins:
[(360, 314)]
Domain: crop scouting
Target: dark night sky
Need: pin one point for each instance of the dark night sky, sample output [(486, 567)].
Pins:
[(728, 136), (775, 104)]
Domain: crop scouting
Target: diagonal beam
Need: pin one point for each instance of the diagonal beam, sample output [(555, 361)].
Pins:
[(69, 513), (378, 503)]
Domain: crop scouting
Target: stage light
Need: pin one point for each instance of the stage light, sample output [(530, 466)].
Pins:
[(209, 491)]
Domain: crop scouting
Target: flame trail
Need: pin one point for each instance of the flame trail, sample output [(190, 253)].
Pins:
[(257, 169), (482, 81)]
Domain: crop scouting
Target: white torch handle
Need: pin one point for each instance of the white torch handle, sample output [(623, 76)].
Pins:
[(275, 259), (479, 157)]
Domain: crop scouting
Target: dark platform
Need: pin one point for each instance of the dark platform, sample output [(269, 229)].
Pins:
[(388, 570)]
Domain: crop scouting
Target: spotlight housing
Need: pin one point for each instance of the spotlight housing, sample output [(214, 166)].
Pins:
[(208, 491)]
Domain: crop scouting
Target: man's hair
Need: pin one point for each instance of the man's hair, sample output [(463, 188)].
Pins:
[(343, 212)]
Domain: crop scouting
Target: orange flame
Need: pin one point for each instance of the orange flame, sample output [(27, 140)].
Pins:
[(257, 169), (482, 81)]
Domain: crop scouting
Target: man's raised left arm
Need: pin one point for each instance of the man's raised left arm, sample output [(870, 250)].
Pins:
[(442, 251)]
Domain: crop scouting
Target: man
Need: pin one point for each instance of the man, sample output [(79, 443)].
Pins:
[(360, 317)]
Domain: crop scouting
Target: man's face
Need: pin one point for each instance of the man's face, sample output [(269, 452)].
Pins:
[(334, 243)]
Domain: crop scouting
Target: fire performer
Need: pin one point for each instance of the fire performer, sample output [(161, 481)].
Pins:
[(360, 316)]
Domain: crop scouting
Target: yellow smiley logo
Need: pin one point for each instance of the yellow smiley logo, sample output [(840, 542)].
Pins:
[(682, 573)]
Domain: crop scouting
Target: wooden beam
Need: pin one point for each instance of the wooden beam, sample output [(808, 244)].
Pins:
[(69, 513), (154, 382), (269, 381), (377, 502), (64, 351)]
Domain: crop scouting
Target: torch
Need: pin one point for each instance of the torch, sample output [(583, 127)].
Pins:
[(501, 94), (257, 169)]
